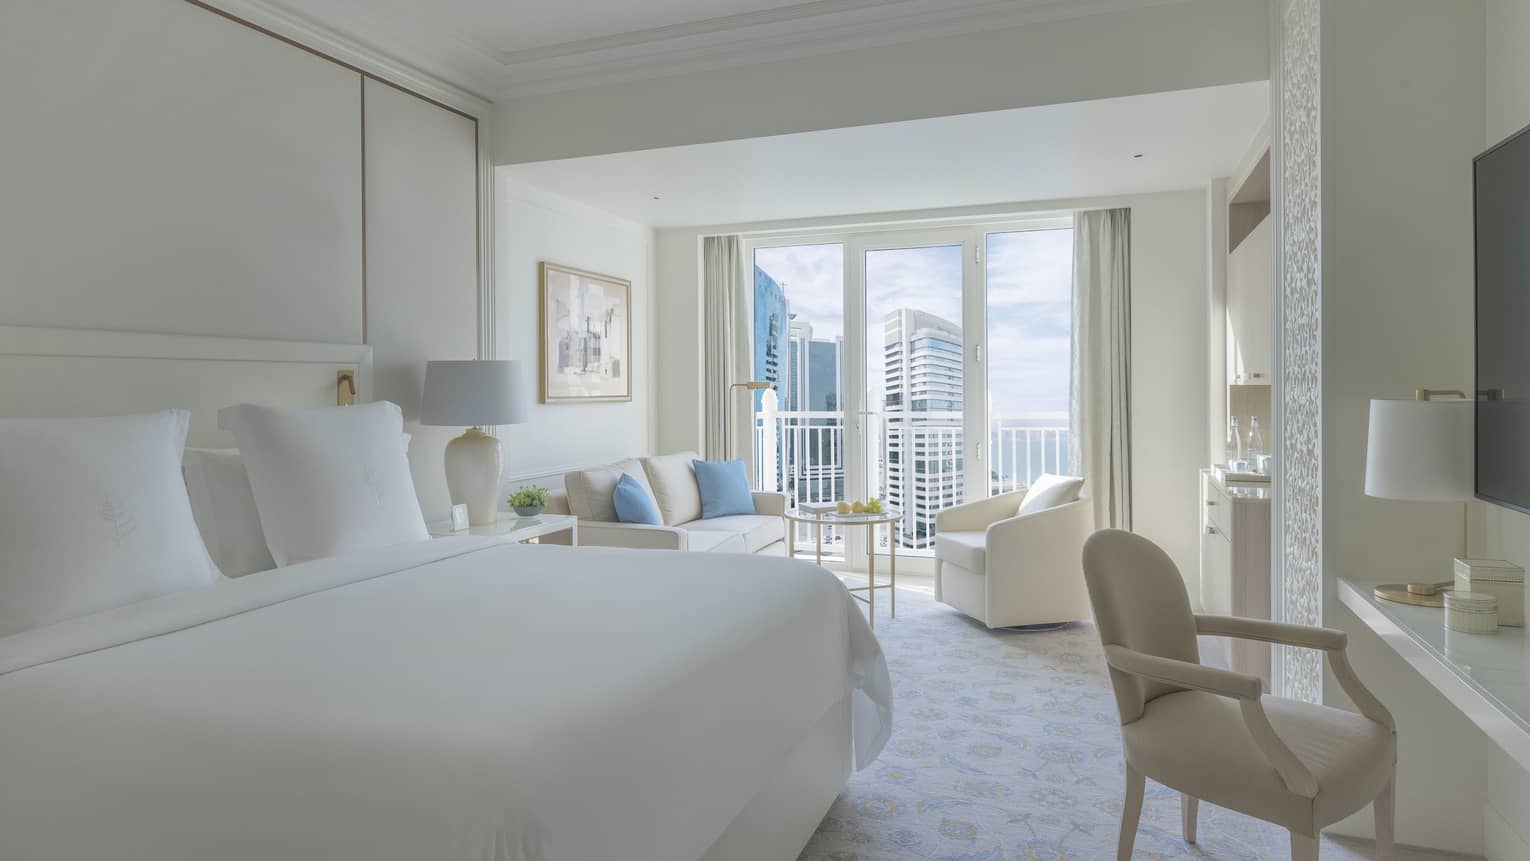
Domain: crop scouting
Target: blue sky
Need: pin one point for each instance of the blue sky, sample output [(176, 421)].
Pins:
[(1029, 275)]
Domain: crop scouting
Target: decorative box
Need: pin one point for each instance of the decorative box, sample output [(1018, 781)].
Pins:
[(1503, 580), (1471, 612)]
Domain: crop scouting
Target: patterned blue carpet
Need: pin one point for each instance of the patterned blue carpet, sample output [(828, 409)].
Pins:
[(1006, 746)]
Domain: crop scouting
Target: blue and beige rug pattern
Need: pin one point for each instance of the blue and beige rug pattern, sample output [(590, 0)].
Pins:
[(1006, 747)]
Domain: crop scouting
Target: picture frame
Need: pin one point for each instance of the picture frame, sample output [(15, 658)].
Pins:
[(459, 517), (585, 336)]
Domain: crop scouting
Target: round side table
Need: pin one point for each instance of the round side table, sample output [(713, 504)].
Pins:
[(871, 522)]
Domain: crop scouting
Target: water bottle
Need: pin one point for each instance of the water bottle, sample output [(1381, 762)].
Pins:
[(1255, 440)]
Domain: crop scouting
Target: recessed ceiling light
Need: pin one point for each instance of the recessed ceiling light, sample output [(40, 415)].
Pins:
[(656, 197), (1138, 155)]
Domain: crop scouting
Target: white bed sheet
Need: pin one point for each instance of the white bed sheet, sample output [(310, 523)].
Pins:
[(441, 701)]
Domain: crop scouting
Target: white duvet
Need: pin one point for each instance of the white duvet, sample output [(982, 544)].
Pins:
[(441, 701)]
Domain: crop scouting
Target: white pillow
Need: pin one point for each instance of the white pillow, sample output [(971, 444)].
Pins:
[(328, 481), (224, 507), (93, 515), (1050, 491)]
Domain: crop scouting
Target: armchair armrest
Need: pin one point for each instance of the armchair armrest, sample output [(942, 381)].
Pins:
[(1331, 641), (1323, 639), (1212, 680), (767, 502), (640, 536), (1246, 689), (978, 515)]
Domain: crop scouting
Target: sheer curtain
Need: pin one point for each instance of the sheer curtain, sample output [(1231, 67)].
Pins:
[(725, 297), (1102, 349)]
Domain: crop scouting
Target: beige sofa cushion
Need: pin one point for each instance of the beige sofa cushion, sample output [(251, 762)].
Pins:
[(756, 530), (589, 490), (701, 541), (967, 549), (673, 482)]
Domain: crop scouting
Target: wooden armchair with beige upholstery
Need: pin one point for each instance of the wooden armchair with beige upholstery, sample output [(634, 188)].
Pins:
[(1211, 733)]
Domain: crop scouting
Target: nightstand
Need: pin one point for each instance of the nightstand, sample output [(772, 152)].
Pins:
[(512, 527)]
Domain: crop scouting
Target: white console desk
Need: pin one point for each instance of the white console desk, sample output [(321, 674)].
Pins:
[(1486, 676)]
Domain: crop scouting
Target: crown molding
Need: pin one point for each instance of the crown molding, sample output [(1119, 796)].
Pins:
[(795, 32), (467, 97), (461, 69)]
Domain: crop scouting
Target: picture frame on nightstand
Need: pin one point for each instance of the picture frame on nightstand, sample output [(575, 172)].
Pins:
[(459, 517)]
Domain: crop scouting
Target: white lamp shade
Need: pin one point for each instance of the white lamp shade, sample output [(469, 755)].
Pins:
[(473, 393), (1420, 451)]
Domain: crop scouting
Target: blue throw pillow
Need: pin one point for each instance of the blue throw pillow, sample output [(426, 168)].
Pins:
[(634, 504), (724, 488)]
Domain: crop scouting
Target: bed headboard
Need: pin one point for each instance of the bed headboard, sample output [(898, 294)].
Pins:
[(59, 373)]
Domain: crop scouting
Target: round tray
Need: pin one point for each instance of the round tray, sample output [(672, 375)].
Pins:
[(1415, 594)]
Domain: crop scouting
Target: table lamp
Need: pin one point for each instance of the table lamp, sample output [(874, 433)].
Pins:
[(1421, 451), (472, 394)]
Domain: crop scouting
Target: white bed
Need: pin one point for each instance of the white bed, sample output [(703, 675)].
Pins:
[(454, 699), (448, 699)]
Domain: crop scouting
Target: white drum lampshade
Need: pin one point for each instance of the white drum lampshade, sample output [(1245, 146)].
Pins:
[(471, 394), (1420, 451)]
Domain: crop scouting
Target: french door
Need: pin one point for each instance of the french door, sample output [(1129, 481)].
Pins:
[(919, 349), (885, 385)]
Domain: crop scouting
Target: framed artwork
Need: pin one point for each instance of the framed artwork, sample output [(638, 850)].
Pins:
[(586, 336)]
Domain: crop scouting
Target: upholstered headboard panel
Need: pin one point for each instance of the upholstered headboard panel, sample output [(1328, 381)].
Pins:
[(57, 373)]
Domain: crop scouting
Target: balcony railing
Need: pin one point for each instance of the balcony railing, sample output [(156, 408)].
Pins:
[(915, 462)]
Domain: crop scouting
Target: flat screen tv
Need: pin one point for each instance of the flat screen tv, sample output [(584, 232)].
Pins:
[(1502, 181)]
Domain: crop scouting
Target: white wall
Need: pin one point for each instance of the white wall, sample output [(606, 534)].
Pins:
[(1506, 534), (1508, 68), (1169, 347), (1401, 120), (167, 169), (1177, 46), (531, 226)]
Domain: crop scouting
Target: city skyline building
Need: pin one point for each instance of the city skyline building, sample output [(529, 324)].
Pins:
[(922, 399), (814, 444)]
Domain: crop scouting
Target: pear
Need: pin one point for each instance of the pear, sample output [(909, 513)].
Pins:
[(843, 507), (857, 507)]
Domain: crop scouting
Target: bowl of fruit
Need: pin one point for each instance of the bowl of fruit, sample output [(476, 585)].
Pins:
[(873, 506)]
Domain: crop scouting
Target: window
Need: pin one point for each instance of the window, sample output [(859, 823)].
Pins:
[(923, 367)]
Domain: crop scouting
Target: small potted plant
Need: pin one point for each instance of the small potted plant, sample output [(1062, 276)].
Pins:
[(529, 501)]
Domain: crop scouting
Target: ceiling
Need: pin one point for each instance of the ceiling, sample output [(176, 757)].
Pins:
[(1080, 149), (502, 48)]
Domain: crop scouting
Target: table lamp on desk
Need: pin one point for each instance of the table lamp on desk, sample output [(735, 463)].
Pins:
[(1420, 450)]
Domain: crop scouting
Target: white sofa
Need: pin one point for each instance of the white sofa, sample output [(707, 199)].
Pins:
[(1004, 570), (672, 480)]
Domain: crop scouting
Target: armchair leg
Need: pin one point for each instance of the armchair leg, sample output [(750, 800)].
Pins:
[(1189, 806), (1303, 848), (1386, 811), (1131, 811)]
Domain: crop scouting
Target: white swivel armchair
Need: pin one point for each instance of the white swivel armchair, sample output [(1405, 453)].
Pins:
[(1211, 733), (1003, 568)]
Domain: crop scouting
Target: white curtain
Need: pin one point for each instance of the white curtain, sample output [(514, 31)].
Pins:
[(725, 297), (1102, 349)]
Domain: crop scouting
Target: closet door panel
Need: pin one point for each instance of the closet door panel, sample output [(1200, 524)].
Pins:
[(422, 259)]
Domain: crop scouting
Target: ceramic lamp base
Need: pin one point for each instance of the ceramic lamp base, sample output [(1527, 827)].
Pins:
[(474, 465)]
